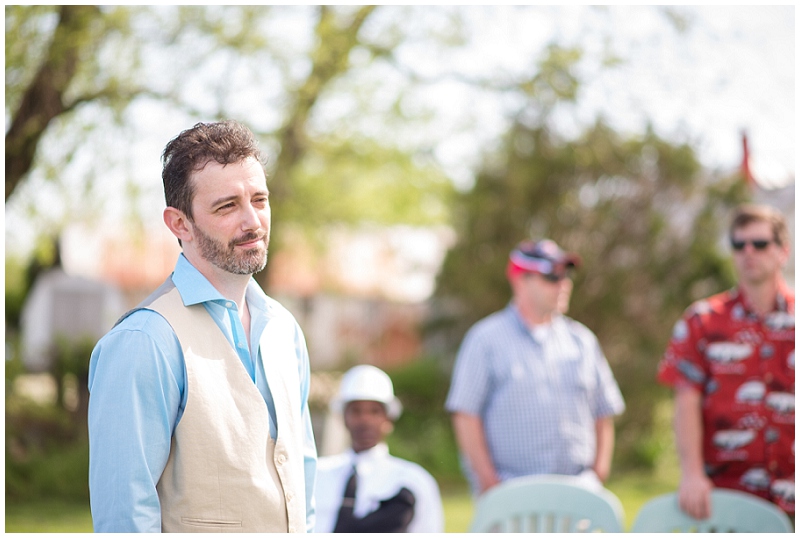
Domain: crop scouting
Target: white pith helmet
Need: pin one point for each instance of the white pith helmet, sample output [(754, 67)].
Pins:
[(365, 382)]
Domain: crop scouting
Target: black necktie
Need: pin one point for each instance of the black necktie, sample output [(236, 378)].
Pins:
[(392, 515), (348, 501)]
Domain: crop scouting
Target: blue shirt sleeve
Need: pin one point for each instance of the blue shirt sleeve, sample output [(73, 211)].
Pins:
[(136, 379), (608, 399), (471, 383)]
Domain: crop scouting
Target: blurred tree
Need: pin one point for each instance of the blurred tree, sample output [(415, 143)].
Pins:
[(51, 69), (77, 75), (644, 215)]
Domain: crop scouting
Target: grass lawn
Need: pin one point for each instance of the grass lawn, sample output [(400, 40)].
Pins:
[(48, 516), (633, 490)]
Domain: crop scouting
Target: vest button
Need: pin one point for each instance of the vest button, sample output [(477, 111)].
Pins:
[(281, 459), (289, 497)]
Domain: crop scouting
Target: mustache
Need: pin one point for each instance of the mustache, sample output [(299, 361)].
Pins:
[(246, 238)]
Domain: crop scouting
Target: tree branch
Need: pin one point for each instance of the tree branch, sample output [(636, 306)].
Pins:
[(43, 99)]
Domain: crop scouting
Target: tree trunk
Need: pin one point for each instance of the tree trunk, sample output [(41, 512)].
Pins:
[(330, 59), (43, 100)]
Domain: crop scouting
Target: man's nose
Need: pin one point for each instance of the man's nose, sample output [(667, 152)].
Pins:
[(251, 219)]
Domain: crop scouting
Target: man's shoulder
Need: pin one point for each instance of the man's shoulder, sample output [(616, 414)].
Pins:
[(787, 294), (577, 328), (274, 308), (142, 319), (492, 322), (411, 469), (714, 305), (576, 331), (140, 329), (277, 307)]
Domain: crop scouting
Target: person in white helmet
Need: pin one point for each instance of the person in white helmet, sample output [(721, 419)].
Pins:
[(365, 489)]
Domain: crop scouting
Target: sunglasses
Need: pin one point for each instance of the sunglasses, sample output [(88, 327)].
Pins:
[(549, 277), (758, 244)]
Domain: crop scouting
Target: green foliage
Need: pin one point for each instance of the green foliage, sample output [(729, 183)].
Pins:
[(47, 450), (423, 433), (238, 61), (72, 365), (644, 216), (357, 181), (61, 473), (46, 455), (17, 286), (28, 33), (72, 357)]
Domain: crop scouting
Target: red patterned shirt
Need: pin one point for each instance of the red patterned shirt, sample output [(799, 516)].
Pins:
[(743, 365)]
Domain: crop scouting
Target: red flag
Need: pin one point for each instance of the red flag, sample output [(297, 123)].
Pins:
[(748, 176)]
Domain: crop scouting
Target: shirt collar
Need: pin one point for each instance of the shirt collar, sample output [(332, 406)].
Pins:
[(513, 311), (196, 289), (783, 299), (378, 452)]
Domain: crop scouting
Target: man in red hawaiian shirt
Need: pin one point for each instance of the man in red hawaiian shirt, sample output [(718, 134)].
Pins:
[(731, 363)]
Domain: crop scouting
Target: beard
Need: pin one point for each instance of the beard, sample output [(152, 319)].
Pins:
[(225, 256)]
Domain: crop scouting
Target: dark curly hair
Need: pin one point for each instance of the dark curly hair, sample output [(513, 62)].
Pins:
[(224, 142)]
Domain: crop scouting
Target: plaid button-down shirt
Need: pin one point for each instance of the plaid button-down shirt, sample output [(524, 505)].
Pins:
[(538, 393)]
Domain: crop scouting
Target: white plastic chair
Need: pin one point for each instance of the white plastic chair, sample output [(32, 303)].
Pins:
[(547, 503), (731, 511)]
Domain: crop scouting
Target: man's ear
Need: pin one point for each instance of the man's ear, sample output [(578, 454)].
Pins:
[(178, 223), (387, 427), (784, 258)]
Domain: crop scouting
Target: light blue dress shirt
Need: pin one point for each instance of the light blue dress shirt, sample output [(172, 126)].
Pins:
[(137, 385)]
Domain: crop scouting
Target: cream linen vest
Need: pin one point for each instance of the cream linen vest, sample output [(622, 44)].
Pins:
[(224, 472)]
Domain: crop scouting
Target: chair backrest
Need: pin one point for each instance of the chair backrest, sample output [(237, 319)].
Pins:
[(731, 511), (547, 503)]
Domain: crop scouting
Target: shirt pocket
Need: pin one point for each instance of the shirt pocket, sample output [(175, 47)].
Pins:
[(210, 523), (575, 375)]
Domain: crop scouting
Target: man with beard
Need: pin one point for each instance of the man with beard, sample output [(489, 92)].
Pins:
[(365, 489), (198, 414)]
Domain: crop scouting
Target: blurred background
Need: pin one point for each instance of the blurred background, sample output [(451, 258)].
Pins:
[(410, 148)]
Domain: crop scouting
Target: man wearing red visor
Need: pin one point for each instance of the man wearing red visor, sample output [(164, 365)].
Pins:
[(532, 392)]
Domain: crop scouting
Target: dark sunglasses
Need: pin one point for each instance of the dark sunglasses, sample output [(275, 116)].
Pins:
[(550, 277), (554, 278), (758, 244)]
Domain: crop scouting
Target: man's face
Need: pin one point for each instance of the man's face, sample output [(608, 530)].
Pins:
[(541, 294), (755, 266), (232, 216), (367, 423)]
